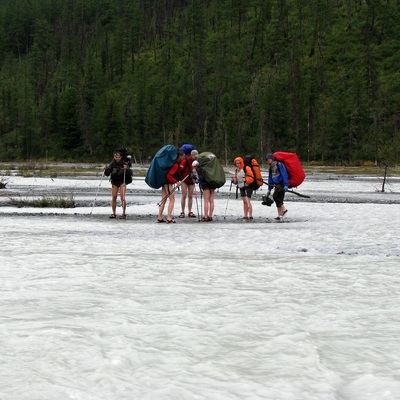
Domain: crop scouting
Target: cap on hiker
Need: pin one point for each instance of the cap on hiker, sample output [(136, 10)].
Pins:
[(195, 163), (194, 153), (270, 155)]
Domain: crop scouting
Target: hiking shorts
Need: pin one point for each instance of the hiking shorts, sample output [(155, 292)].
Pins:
[(246, 192), (204, 185), (117, 183), (279, 195)]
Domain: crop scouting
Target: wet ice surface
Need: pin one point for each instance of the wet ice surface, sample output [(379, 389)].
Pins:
[(93, 308)]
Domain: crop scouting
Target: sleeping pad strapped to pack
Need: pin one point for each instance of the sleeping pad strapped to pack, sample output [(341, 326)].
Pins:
[(293, 166), (160, 165), (212, 170)]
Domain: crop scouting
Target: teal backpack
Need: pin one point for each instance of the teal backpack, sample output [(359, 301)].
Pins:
[(160, 165)]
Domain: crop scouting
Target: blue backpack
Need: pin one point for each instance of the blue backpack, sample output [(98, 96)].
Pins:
[(160, 165)]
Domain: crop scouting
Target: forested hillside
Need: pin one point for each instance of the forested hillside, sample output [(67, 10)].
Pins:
[(81, 77)]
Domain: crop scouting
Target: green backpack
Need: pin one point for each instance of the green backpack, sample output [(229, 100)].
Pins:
[(212, 170)]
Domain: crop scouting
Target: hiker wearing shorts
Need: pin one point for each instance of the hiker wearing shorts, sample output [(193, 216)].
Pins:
[(120, 175), (167, 191), (187, 186), (207, 191), (243, 178)]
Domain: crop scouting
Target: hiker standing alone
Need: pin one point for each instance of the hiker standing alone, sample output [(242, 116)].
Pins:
[(121, 175), (278, 179), (243, 178)]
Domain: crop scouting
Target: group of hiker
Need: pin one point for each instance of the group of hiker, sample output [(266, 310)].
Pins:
[(186, 171), (248, 178)]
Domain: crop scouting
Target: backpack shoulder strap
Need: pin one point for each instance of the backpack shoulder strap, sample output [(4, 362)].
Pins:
[(249, 171)]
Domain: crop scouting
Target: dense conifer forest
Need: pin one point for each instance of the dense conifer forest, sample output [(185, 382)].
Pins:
[(81, 77)]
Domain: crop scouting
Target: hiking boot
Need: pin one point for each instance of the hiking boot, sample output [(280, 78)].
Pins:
[(278, 218)]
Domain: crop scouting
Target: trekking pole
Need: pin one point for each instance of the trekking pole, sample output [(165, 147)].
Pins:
[(97, 192), (124, 200), (289, 191), (292, 191), (197, 203), (165, 198), (229, 196), (201, 204), (299, 194), (169, 194)]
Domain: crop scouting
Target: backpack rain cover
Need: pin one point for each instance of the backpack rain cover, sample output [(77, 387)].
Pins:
[(293, 166), (212, 170), (160, 165)]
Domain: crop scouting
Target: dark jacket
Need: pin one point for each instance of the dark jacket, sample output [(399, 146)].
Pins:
[(118, 175)]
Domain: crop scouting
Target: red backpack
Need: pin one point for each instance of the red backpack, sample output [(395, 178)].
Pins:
[(293, 166)]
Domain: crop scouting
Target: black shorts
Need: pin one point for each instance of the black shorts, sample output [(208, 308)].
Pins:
[(117, 183), (118, 180), (204, 185), (246, 191)]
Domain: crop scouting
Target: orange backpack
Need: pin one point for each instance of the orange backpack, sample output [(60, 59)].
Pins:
[(251, 162)]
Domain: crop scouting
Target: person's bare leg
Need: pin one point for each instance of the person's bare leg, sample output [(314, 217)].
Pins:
[(206, 195), (122, 192), (190, 197), (211, 199), (245, 207), (184, 188), (171, 203), (114, 193), (164, 193), (249, 207)]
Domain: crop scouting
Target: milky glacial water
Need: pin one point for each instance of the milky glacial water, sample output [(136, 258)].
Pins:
[(93, 308)]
